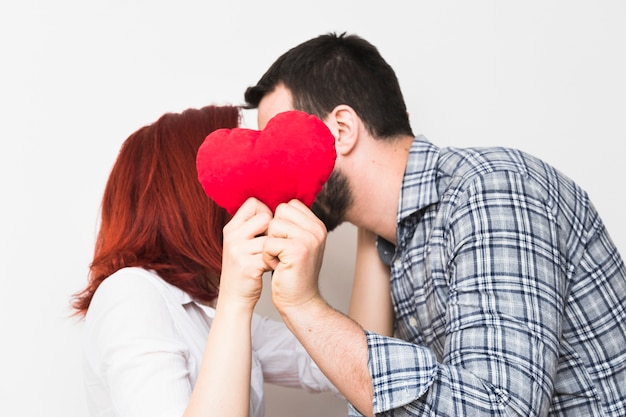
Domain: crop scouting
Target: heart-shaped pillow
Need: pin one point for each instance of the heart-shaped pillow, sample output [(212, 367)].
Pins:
[(291, 158)]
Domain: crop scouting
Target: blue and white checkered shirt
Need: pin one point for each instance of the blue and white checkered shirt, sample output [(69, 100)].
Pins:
[(509, 295)]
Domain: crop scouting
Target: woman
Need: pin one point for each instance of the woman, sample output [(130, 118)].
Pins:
[(152, 297)]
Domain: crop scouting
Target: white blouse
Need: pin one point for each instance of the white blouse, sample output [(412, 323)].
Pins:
[(143, 344)]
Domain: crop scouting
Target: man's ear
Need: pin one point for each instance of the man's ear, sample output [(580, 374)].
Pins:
[(345, 125)]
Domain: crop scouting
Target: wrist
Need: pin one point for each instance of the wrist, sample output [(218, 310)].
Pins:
[(292, 313), (235, 305)]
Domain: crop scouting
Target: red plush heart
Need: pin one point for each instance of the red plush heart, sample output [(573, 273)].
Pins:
[(291, 158)]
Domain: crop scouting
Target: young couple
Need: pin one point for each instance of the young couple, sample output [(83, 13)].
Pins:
[(493, 272)]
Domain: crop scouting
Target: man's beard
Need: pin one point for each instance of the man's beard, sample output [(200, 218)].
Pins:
[(333, 201)]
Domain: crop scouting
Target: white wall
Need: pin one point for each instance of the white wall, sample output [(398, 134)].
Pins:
[(77, 77)]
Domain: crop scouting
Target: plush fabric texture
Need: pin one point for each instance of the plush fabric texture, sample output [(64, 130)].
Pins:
[(291, 158)]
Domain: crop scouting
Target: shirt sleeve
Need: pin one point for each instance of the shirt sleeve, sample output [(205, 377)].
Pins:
[(284, 360), (502, 278), (401, 372), (133, 345)]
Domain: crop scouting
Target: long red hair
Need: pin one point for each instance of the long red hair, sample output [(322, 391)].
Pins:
[(154, 213)]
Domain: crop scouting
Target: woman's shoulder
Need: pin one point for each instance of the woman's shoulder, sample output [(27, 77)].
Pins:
[(135, 287), (130, 311), (128, 281)]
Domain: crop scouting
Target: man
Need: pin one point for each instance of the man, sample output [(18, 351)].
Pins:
[(509, 295)]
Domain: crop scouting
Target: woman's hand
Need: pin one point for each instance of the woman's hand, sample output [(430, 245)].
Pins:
[(243, 265)]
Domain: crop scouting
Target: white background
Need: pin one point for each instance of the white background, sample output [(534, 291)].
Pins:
[(77, 77)]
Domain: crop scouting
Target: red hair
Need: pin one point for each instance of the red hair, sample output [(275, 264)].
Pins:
[(154, 213)]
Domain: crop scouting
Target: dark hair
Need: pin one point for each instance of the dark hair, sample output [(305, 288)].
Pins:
[(332, 69), (154, 212)]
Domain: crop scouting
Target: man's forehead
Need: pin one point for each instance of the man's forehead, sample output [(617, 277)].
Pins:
[(274, 102)]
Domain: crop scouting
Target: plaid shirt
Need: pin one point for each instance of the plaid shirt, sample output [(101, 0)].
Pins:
[(509, 295)]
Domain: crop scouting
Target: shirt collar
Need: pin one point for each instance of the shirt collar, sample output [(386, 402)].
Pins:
[(177, 294), (419, 184), (419, 190), (209, 311), (183, 298)]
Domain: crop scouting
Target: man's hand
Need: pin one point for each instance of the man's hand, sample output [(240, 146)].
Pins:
[(294, 249)]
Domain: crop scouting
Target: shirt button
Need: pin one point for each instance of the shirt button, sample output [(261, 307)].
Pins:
[(397, 263), (413, 321)]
